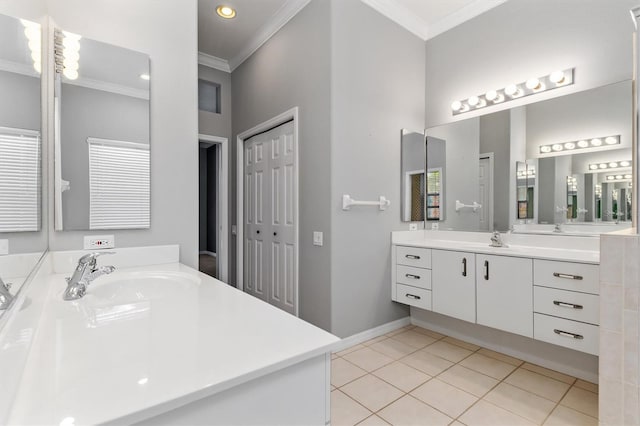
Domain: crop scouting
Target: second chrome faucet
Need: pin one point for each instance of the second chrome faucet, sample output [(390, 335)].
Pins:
[(84, 274)]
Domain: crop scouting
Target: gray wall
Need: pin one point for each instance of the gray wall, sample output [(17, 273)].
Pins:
[(145, 26), (293, 69), (216, 124), (546, 175), (495, 132), (97, 114), (377, 88), (524, 38)]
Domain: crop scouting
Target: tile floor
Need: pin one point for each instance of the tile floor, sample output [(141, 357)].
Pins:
[(414, 376)]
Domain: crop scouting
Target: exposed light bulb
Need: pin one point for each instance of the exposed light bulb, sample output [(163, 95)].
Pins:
[(146, 77), (625, 164), (545, 149), (627, 176), (534, 84), (556, 147), (569, 145), (583, 144), (593, 167), (613, 164), (611, 140), (557, 77), (473, 101), (512, 91), (491, 95), (456, 105), (619, 177), (596, 142), (602, 166)]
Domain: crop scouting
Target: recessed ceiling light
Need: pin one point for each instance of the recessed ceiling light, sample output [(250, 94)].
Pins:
[(226, 12), (145, 77)]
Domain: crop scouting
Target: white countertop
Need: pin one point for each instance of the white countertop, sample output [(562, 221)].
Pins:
[(552, 247), (99, 360)]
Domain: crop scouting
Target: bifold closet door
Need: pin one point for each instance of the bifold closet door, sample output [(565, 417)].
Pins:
[(270, 217)]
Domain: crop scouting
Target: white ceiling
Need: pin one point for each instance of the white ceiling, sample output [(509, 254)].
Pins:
[(225, 44)]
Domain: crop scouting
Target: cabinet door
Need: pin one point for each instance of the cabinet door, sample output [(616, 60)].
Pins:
[(505, 293), (453, 284)]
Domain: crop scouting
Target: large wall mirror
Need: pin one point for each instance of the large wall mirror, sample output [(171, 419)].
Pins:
[(570, 158), (102, 144)]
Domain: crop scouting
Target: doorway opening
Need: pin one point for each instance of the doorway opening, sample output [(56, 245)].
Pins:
[(486, 192), (213, 206)]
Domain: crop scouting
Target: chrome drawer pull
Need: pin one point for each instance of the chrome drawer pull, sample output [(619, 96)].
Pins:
[(412, 256), (413, 277), (412, 296), (567, 334), (566, 305), (567, 276)]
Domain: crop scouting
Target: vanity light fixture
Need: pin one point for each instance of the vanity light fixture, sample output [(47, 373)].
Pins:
[(226, 12), (610, 165), (617, 178), (514, 91), (32, 32), (581, 144)]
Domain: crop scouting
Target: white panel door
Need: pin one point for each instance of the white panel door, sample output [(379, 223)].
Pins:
[(270, 263), (453, 284), (505, 293), (486, 195)]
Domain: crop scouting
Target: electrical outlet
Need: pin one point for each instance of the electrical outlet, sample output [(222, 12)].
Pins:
[(435, 226), (4, 247), (413, 227), (97, 242), (317, 238)]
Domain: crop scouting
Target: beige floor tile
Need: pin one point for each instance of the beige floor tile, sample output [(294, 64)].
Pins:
[(520, 402), (448, 351), (345, 411), (538, 384), (342, 372), (373, 421), (471, 381), (446, 398), (402, 376), (581, 400), (415, 339), (368, 359), (485, 413), (408, 411), (426, 362), (489, 366), (393, 348), (334, 356), (550, 373), (502, 357), (583, 384), (428, 332), (372, 392), (462, 343), (349, 350), (375, 340), (565, 416)]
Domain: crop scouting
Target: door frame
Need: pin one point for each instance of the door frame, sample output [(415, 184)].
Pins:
[(222, 256), (490, 156), (291, 114)]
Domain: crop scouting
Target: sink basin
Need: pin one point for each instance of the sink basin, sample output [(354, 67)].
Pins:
[(140, 285)]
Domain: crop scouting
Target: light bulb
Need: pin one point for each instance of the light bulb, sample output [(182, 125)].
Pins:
[(71, 43), (557, 147), (625, 164), (35, 44), (593, 167), (596, 142), (456, 105), (619, 177), (533, 84), (72, 55), (602, 165), (70, 74), (545, 149), (146, 77), (611, 140), (583, 144), (512, 90), (610, 177), (557, 77), (627, 176), (491, 95), (474, 101), (613, 164), (569, 145)]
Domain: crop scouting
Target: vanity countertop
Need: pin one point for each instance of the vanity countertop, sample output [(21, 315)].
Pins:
[(122, 355), (552, 247)]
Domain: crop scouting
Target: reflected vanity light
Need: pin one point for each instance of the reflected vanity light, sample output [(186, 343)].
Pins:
[(146, 77), (71, 55), (582, 144), (32, 33), (618, 178), (510, 92)]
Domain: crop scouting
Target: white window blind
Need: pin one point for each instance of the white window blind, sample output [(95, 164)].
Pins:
[(119, 184), (19, 180)]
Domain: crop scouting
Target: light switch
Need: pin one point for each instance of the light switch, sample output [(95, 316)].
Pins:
[(317, 238), (4, 247)]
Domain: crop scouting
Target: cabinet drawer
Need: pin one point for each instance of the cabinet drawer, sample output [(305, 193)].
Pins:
[(567, 304), (413, 256), (567, 276), (416, 277), (413, 296), (563, 332)]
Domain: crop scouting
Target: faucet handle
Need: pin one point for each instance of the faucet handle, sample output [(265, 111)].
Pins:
[(91, 257), (7, 286)]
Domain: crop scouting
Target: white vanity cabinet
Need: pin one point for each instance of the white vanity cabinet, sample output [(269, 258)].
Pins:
[(454, 284), (411, 270), (504, 287)]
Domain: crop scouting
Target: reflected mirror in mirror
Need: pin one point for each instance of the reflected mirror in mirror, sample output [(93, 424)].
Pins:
[(102, 149), (413, 154), (436, 164), (20, 140)]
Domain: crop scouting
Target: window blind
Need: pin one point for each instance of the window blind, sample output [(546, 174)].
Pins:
[(119, 184), (19, 180)]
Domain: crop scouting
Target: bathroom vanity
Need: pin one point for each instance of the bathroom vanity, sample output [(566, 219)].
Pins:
[(157, 342), (525, 288)]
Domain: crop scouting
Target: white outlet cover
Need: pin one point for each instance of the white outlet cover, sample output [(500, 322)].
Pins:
[(99, 242), (317, 238), (413, 227)]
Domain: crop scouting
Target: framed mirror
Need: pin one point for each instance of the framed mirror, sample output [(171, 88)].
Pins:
[(102, 145)]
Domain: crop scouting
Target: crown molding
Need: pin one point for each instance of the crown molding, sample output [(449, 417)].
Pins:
[(470, 11), (213, 62), (400, 15), (280, 18), (109, 87)]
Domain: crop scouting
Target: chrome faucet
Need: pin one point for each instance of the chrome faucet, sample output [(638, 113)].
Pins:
[(85, 273), (6, 298), (496, 240)]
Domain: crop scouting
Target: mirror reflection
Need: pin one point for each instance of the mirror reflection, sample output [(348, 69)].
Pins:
[(102, 147)]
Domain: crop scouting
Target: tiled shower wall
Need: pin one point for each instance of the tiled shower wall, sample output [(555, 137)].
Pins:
[(619, 325)]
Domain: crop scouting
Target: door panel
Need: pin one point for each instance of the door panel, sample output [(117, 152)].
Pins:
[(454, 284)]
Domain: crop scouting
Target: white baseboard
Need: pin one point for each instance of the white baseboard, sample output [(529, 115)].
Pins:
[(372, 333), (209, 253)]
